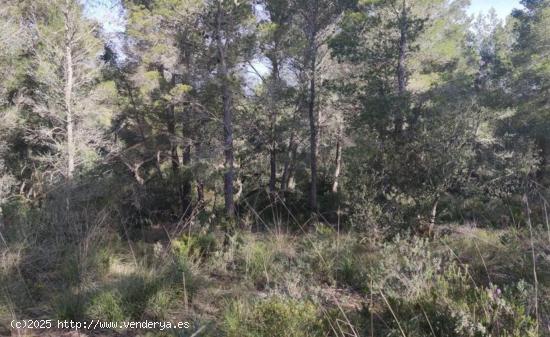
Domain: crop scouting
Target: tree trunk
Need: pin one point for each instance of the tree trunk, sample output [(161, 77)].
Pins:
[(171, 125), (291, 149), (313, 147), (199, 179), (200, 193), (542, 144), (433, 215), (272, 170), (187, 154), (227, 117), (186, 161), (338, 161), (287, 168), (311, 112), (292, 167), (273, 121), (401, 65), (68, 95)]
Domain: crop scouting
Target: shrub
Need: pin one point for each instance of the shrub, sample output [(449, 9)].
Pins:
[(259, 261), (335, 261), (272, 317), (404, 268), (451, 304), (264, 262), (135, 291), (69, 306), (197, 246), (159, 304), (177, 274), (106, 306)]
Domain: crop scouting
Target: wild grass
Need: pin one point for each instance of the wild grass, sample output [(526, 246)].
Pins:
[(467, 282)]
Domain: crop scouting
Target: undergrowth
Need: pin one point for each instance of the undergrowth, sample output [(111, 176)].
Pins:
[(468, 283)]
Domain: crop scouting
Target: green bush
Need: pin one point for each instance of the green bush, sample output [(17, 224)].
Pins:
[(159, 304), (458, 308), (272, 317), (258, 263), (107, 306), (264, 262), (69, 306), (198, 246), (135, 291), (334, 260), (177, 274)]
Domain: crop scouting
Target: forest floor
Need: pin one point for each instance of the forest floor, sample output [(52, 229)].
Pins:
[(467, 282)]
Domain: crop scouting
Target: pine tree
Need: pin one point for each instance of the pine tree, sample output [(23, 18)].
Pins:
[(66, 105)]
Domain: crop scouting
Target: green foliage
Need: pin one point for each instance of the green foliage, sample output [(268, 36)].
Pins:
[(200, 246), (456, 307), (159, 305), (337, 262), (425, 289), (260, 263), (427, 125), (272, 317), (69, 306), (107, 306)]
